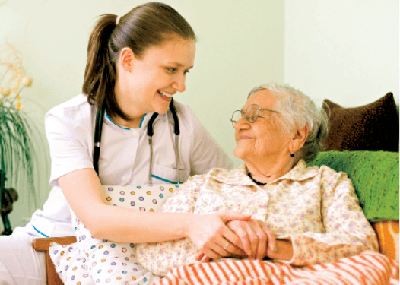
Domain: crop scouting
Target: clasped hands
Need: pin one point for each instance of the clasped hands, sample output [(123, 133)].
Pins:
[(237, 235)]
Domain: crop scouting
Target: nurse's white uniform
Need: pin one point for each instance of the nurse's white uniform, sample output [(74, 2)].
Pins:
[(124, 160)]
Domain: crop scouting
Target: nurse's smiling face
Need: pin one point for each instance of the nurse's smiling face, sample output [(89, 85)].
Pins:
[(265, 137), (147, 84)]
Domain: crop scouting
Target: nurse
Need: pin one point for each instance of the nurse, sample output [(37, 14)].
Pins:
[(135, 65)]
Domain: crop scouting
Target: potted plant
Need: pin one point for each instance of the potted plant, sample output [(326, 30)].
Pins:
[(19, 137)]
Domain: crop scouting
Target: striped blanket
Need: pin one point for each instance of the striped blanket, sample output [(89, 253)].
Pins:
[(367, 268)]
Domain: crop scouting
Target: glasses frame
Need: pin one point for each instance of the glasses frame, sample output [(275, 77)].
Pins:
[(248, 117)]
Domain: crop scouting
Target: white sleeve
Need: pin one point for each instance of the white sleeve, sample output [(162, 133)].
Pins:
[(205, 153), (66, 133)]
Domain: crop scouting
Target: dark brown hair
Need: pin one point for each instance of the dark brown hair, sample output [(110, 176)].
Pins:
[(144, 26)]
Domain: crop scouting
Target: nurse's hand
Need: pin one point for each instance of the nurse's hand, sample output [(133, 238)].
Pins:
[(255, 236), (213, 237)]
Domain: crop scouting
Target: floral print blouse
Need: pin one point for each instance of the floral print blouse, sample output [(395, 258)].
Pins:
[(316, 207)]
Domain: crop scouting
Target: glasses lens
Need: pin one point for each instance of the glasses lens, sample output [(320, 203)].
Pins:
[(252, 113), (236, 116)]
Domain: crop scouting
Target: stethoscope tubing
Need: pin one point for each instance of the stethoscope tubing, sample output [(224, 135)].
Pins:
[(150, 132), (97, 137)]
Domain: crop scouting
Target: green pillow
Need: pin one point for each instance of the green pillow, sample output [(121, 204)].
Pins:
[(375, 176)]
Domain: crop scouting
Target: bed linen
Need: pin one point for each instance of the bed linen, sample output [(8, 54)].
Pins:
[(363, 269)]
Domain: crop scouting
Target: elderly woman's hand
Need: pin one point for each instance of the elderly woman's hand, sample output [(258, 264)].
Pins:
[(213, 237), (255, 236)]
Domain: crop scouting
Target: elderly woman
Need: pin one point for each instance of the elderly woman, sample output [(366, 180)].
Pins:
[(301, 215)]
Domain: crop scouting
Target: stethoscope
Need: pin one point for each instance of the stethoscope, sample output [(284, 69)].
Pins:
[(150, 132)]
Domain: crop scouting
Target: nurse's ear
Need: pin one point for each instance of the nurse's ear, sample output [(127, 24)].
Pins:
[(126, 57)]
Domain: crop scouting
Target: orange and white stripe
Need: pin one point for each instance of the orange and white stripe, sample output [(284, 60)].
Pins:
[(368, 268)]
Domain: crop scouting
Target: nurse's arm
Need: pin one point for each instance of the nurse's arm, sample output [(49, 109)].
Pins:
[(85, 195)]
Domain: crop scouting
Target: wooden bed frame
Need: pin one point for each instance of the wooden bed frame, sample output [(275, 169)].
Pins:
[(43, 244)]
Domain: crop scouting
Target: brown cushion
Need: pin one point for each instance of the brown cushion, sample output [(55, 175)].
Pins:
[(371, 127)]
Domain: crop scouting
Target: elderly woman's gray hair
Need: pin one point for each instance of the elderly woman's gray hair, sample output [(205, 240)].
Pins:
[(298, 110)]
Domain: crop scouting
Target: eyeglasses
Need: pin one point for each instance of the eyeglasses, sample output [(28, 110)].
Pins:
[(251, 114)]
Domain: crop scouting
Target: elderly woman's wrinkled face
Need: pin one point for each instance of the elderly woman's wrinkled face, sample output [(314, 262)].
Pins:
[(265, 138)]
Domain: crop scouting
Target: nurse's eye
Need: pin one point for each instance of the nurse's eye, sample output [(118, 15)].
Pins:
[(172, 69), (186, 72)]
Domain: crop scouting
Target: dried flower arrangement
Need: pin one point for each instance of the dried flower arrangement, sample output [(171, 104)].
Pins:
[(14, 78)]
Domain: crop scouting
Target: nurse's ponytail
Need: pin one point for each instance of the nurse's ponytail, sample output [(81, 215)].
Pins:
[(144, 26), (100, 72)]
